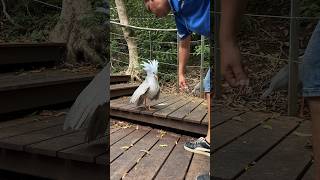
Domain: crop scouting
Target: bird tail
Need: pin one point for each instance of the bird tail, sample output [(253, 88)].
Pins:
[(99, 123)]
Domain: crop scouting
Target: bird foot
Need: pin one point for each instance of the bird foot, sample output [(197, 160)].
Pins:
[(150, 108)]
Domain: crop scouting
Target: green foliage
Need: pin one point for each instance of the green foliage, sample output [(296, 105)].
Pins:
[(163, 44), (92, 19), (36, 19), (310, 8)]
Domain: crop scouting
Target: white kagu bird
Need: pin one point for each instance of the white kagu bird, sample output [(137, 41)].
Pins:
[(149, 89), (90, 111)]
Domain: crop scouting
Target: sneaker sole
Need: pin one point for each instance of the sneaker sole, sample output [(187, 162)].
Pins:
[(197, 151)]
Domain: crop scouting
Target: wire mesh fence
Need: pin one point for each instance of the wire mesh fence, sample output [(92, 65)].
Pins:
[(162, 45), (268, 44)]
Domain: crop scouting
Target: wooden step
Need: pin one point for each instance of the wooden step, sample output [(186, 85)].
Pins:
[(40, 141), (33, 90), (170, 111), (26, 53), (115, 79)]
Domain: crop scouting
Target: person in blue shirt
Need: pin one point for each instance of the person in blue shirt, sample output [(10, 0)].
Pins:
[(191, 16)]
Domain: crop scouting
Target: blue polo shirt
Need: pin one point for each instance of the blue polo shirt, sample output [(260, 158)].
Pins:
[(191, 16)]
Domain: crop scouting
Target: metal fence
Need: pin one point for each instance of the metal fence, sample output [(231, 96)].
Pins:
[(152, 52), (294, 20)]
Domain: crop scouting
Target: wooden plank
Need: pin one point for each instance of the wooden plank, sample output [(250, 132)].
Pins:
[(310, 174), (29, 127), (147, 167), (89, 151), (162, 105), (197, 114), (129, 141), (173, 107), (63, 93), (121, 133), (117, 103), (235, 157), (149, 119), (286, 161), (52, 146), (19, 121), (185, 110), (119, 78), (19, 142), (205, 120), (222, 115), (49, 167), (128, 159), (200, 164), (45, 78), (117, 90), (133, 108), (25, 53), (177, 163), (86, 152), (123, 86), (233, 128)]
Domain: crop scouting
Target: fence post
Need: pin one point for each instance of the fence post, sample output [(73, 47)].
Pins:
[(293, 65), (177, 63), (150, 44), (201, 66), (217, 61)]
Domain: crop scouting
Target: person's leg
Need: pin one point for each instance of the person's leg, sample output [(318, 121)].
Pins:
[(202, 145), (311, 90), (314, 104), (208, 96)]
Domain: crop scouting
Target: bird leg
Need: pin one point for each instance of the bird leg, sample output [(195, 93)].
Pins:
[(148, 106), (145, 103)]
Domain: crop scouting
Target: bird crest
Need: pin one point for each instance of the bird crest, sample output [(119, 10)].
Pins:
[(151, 67)]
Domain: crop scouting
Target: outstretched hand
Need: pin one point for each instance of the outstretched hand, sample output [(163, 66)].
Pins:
[(232, 68), (182, 83)]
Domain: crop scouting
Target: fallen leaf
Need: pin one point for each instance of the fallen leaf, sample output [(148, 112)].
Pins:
[(238, 118), (163, 145), (267, 126), (125, 147), (124, 175), (145, 151), (138, 160), (302, 134)]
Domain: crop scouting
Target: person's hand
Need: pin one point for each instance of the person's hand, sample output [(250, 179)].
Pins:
[(182, 82), (232, 68)]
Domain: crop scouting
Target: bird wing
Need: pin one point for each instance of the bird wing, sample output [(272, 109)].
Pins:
[(84, 111), (136, 98)]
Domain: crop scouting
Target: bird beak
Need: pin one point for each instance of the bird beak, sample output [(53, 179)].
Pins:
[(156, 77)]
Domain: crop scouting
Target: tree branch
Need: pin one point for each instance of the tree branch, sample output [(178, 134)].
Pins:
[(4, 10)]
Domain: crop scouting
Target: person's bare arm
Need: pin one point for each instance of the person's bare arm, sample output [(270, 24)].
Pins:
[(232, 69), (184, 54)]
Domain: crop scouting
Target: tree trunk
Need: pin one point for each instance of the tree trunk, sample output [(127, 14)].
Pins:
[(87, 40), (133, 68)]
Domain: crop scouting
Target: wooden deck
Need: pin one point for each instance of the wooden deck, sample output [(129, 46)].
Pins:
[(38, 146), (141, 152), (245, 145), (51, 87), (172, 111), (251, 145)]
